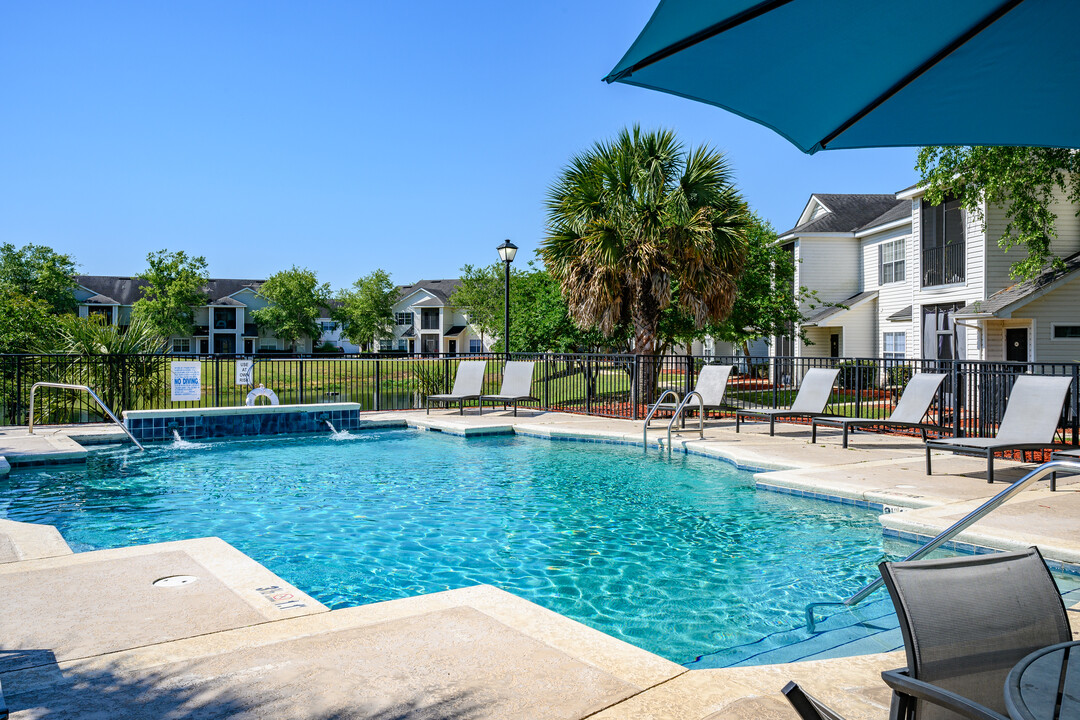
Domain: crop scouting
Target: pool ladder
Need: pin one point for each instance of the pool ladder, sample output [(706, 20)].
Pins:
[(84, 388), (679, 407), (1051, 468)]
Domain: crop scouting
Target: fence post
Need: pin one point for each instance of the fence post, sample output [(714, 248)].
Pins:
[(858, 388), (378, 384), (1076, 405), (217, 381), (300, 360), (776, 381), (547, 381), (588, 385), (634, 391), (958, 429)]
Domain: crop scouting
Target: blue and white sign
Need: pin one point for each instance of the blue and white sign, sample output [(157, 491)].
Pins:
[(186, 380)]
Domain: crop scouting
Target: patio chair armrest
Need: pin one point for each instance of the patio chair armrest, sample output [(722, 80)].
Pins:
[(904, 684)]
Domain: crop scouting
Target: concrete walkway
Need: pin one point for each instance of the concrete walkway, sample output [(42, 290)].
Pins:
[(90, 635)]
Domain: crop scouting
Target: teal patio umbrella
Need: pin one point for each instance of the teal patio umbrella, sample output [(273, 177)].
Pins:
[(830, 74)]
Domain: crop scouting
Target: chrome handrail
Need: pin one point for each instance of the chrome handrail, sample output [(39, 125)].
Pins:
[(652, 411), (955, 529), (678, 412), (66, 386)]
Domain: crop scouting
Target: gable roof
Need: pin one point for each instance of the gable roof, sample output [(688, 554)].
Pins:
[(849, 213), (442, 289), (1003, 302), (822, 316), (126, 290)]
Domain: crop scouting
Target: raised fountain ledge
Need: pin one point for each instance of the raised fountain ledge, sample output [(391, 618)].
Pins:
[(238, 410), (242, 421)]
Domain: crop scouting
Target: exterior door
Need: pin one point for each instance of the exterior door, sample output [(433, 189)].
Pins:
[(249, 346), (225, 344), (1016, 344), (834, 345), (451, 347), (429, 344)]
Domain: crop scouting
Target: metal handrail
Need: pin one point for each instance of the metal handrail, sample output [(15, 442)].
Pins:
[(652, 411), (956, 528), (66, 386), (678, 412)]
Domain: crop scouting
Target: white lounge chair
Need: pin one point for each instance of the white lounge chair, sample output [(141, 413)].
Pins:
[(516, 386), (1030, 421), (908, 413), (810, 401), (468, 385)]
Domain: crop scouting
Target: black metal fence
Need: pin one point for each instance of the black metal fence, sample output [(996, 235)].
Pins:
[(971, 400)]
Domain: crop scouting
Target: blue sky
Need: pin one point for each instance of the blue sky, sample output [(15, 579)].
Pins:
[(340, 136)]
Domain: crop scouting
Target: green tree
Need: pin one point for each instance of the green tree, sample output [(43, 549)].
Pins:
[(637, 225), (174, 287), (766, 302), (296, 299), (539, 317), (1022, 180), (37, 287), (39, 273), (366, 313)]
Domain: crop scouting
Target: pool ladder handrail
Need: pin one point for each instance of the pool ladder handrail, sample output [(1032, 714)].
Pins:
[(1049, 468), (652, 411), (679, 410), (85, 388)]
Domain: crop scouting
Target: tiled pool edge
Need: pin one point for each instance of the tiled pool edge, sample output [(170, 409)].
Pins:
[(244, 421)]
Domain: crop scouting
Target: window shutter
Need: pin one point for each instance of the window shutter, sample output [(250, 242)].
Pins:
[(881, 265)]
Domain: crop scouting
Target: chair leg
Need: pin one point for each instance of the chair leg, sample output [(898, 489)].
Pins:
[(772, 426), (845, 435), (990, 466), (928, 460), (923, 431), (813, 432), (737, 418)]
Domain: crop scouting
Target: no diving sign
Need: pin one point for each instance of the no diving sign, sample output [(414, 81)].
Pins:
[(186, 380)]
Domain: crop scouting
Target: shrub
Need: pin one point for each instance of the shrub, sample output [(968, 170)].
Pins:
[(899, 375), (857, 375)]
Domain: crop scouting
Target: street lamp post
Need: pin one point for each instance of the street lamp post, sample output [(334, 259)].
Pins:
[(507, 251)]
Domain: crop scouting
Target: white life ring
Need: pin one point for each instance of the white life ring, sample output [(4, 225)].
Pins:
[(261, 391)]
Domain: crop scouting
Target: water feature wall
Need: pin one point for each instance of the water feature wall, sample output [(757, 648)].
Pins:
[(202, 423)]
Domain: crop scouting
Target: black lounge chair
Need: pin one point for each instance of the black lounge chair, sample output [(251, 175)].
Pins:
[(966, 622), (909, 412), (516, 386), (1030, 421), (810, 401), (468, 385)]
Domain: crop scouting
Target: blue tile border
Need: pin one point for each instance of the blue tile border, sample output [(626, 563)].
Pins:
[(840, 500), (202, 427), (966, 548)]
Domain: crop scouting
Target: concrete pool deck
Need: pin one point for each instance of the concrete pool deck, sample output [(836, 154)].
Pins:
[(89, 635)]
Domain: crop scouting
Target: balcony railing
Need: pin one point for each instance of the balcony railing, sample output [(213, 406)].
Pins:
[(943, 265)]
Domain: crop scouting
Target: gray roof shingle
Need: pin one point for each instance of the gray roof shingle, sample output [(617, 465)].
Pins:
[(852, 212), (126, 290), (441, 289), (1015, 293)]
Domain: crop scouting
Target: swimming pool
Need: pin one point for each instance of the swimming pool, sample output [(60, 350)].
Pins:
[(679, 555)]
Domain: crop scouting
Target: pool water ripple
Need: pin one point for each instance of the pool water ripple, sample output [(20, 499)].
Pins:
[(680, 556)]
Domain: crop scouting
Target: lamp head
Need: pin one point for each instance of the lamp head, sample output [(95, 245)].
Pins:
[(507, 251)]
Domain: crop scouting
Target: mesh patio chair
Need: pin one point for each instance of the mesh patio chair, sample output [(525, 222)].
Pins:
[(516, 386), (1030, 421), (468, 385), (710, 387), (908, 413), (966, 622), (810, 401)]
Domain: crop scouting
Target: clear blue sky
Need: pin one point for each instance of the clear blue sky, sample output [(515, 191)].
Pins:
[(340, 136)]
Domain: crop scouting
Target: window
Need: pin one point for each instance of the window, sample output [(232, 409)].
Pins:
[(224, 319), (403, 318), (181, 345), (268, 344), (104, 313), (893, 346), (476, 346), (1065, 332), (385, 345), (891, 262), (942, 243), (328, 327), (429, 319)]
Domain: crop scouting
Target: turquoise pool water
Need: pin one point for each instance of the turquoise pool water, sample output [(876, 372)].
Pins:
[(680, 556)]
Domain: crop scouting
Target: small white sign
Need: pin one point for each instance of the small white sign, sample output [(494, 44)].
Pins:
[(186, 380), (244, 371)]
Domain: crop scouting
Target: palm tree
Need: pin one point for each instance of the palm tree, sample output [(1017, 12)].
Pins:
[(637, 225)]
